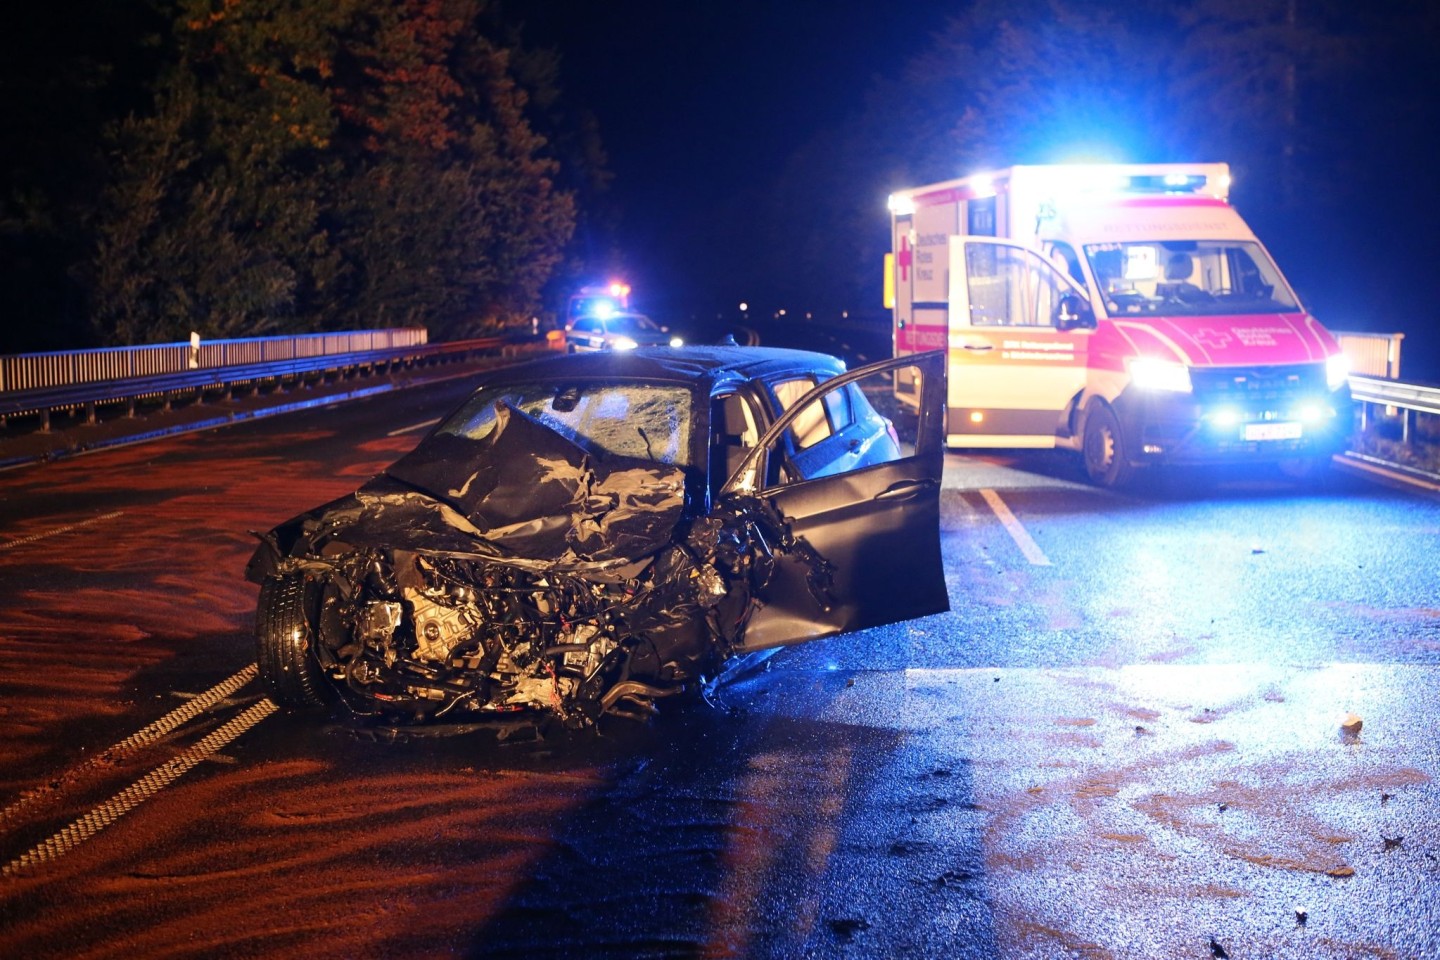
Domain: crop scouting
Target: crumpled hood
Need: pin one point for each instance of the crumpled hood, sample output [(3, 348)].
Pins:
[(524, 492), (1223, 341)]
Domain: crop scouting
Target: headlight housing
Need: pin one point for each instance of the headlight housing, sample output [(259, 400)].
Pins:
[(1337, 370), (1148, 373)]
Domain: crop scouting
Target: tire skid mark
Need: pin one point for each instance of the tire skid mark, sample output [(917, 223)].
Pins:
[(56, 531), (146, 736), (138, 792)]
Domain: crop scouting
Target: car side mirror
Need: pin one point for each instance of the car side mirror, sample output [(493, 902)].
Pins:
[(1073, 313)]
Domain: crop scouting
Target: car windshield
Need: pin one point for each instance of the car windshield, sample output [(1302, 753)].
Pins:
[(647, 421), (1188, 278), (631, 323)]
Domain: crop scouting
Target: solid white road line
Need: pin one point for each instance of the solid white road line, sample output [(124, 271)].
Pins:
[(413, 426), (145, 736), (11, 544), (138, 792), (1017, 532)]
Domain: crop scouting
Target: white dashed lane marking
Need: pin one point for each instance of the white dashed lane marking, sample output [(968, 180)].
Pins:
[(56, 531), (1016, 529)]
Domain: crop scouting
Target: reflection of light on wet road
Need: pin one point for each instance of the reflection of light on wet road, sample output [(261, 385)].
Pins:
[(778, 791)]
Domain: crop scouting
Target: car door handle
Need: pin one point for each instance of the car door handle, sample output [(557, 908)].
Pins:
[(905, 490)]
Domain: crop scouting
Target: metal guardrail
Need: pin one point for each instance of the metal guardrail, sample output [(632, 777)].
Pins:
[(38, 371), (1407, 398), (92, 394)]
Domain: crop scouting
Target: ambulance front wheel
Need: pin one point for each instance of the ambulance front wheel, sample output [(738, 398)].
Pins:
[(1106, 448)]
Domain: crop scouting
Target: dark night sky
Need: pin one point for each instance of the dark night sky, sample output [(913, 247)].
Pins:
[(700, 104)]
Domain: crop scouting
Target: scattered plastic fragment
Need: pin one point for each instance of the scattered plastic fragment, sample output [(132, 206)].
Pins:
[(952, 876), (1391, 844), (1300, 917), (1217, 951), (1351, 724)]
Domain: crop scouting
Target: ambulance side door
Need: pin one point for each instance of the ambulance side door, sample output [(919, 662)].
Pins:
[(1020, 329)]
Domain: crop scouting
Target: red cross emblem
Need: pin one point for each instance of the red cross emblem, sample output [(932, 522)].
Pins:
[(1214, 339), (904, 259)]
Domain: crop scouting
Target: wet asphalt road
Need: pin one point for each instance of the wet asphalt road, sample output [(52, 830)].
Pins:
[(1123, 741)]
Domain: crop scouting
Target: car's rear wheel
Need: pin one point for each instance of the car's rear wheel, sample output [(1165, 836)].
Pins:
[(284, 632), (1107, 456)]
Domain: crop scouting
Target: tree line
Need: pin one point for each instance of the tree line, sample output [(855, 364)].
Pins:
[(253, 167)]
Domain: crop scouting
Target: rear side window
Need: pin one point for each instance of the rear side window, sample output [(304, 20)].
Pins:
[(813, 424)]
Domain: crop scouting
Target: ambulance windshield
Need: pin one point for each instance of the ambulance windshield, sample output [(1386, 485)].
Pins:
[(1188, 278)]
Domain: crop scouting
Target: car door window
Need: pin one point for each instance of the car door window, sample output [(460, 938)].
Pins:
[(866, 423), (813, 423)]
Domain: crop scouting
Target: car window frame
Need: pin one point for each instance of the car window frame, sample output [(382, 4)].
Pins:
[(743, 481)]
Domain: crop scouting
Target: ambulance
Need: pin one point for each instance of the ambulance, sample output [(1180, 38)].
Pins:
[(1122, 311)]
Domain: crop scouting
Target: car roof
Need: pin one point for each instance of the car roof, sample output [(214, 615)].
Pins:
[(709, 365)]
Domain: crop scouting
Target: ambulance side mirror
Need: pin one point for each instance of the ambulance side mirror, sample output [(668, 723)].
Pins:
[(1073, 313)]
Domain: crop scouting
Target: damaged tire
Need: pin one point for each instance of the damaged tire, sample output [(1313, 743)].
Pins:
[(284, 632)]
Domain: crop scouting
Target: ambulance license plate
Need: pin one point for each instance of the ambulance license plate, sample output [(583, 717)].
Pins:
[(1272, 431)]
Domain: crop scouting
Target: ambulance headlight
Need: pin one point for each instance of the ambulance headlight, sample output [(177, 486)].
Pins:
[(1150, 374), (1337, 370), (623, 343), (1225, 417)]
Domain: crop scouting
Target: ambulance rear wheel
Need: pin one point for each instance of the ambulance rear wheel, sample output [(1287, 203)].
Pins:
[(1106, 449)]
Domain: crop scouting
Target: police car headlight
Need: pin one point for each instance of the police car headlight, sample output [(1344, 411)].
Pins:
[(676, 342), (624, 343), (1150, 374), (1337, 370)]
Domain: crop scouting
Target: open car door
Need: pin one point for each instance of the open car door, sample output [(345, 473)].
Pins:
[(860, 498)]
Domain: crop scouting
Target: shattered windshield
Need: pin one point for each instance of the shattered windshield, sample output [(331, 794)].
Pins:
[(1188, 278), (646, 421)]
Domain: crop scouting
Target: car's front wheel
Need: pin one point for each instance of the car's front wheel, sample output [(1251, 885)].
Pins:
[(284, 632), (1105, 449)]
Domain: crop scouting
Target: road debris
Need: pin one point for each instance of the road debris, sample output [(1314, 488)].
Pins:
[(845, 928)]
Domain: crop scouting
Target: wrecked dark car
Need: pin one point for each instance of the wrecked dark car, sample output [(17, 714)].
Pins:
[(588, 534)]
